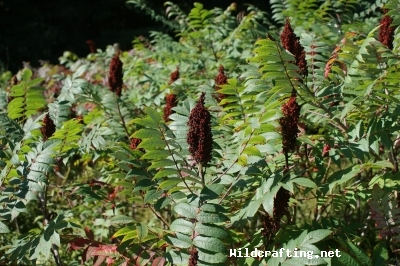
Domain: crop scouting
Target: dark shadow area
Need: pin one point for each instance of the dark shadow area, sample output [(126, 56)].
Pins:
[(42, 30)]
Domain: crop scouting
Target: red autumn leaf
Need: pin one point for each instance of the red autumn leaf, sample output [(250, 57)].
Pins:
[(105, 250), (160, 261), (87, 254), (78, 243), (89, 233), (99, 260), (326, 150), (110, 261)]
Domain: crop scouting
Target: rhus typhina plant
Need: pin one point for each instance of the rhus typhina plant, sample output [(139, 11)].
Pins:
[(244, 132)]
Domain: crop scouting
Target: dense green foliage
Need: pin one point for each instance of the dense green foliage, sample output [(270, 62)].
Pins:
[(90, 176)]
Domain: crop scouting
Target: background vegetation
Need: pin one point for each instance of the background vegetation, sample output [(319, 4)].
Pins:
[(248, 129)]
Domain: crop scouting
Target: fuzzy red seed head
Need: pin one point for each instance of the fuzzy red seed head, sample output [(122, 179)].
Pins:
[(135, 143), (281, 203), (220, 79), (170, 102), (300, 56), (386, 31), (292, 43), (174, 76), (271, 225), (48, 127), (194, 257), (115, 76), (289, 124), (288, 38), (199, 136)]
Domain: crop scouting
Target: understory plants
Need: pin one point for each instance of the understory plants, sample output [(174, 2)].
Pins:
[(241, 130)]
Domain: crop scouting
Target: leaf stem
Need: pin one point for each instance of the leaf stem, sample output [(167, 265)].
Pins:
[(201, 173), (318, 104), (43, 201), (173, 159), (122, 119), (339, 124), (233, 163), (158, 216), (212, 47), (229, 189), (56, 255)]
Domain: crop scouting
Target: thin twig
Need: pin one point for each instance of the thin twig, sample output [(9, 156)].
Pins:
[(201, 173), (56, 255), (233, 163), (212, 47), (229, 189), (339, 124), (158, 216), (54, 248), (59, 174), (223, 173), (286, 159), (342, 126), (327, 171), (393, 158), (173, 159), (17, 226), (122, 120)]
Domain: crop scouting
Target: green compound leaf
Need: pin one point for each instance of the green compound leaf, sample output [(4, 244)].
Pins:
[(27, 98), (182, 226), (3, 228), (121, 219), (180, 243), (212, 258), (152, 195), (185, 210), (209, 243), (142, 231), (207, 217), (211, 230)]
